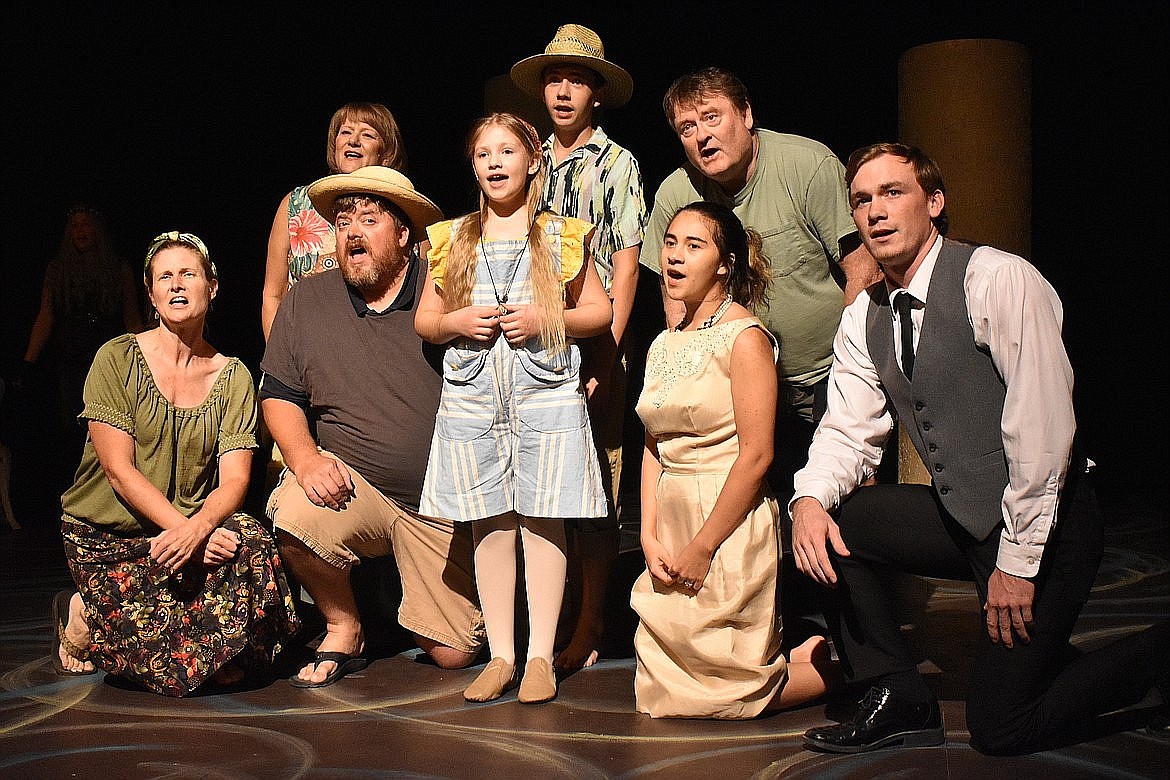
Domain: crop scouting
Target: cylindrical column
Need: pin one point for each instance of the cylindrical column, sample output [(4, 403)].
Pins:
[(968, 105)]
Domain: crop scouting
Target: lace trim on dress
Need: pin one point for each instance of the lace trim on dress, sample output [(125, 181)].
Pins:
[(671, 368)]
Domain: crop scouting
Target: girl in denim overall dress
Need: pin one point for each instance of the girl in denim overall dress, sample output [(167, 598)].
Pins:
[(512, 451)]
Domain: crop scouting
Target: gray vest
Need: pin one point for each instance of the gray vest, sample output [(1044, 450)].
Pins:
[(952, 409)]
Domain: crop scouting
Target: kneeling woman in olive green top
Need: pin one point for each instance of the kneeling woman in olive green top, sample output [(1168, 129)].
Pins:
[(175, 586)]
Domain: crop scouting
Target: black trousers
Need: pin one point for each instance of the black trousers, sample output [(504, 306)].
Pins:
[(1020, 699)]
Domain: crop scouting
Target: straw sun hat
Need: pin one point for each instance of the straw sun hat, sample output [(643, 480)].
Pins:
[(574, 45), (375, 180)]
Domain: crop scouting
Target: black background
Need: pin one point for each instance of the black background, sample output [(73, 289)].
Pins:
[(202, 120)]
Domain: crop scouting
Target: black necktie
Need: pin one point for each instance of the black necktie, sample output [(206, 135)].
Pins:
[(904, 302)]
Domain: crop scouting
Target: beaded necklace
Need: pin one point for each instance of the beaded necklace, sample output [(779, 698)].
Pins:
[(723, 307)]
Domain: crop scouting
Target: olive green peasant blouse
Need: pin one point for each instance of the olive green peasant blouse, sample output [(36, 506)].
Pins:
[(176, 448)]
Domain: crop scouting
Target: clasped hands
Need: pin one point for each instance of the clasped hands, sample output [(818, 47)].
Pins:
[(175, 547), (688, 570), (518, 323)]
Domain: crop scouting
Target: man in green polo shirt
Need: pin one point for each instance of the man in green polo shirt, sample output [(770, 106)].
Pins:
[(792, 191)]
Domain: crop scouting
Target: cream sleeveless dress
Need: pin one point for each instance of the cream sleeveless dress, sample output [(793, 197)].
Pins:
[(714, 654)]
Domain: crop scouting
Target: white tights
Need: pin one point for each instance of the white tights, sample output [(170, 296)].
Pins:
[(543, 543)]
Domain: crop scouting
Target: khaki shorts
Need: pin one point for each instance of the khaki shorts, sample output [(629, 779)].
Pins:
[(434, 557)]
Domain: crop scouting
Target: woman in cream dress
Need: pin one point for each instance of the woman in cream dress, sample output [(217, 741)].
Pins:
[(708, 640)]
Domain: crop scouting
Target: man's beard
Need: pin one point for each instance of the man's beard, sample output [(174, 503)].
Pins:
[(378, 275)]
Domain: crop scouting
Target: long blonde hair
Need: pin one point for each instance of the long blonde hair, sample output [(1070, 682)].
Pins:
[(548, 291)]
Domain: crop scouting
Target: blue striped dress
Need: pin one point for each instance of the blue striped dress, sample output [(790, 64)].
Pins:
[(512, 432)]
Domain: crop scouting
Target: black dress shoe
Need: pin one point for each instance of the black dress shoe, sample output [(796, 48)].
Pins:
[(882, 718)]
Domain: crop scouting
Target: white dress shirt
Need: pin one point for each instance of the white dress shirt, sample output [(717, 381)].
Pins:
[(1016, 315)]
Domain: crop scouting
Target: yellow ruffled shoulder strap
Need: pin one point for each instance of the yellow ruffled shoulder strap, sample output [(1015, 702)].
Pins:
[(440, 238), (573, 236)]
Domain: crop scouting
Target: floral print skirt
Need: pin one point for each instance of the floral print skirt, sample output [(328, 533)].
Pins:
[(171, 633)]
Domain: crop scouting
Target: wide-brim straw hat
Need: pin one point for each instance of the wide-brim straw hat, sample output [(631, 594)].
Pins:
[(376, 180), (574, 45)]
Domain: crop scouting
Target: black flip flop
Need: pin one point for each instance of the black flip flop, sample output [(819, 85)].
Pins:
[(344, 663), (60, 619)]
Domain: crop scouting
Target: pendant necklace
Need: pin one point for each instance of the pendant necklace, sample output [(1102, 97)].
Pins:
[(723, 307), (502, 297)]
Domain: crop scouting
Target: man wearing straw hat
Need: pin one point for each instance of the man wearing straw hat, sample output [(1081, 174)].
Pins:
[(592, 178), (343, 354)]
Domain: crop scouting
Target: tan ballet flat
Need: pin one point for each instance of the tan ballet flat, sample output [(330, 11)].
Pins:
[(539, 684), (497, 677)]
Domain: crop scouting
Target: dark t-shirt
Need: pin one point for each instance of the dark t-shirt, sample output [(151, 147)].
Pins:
[(371, 382)]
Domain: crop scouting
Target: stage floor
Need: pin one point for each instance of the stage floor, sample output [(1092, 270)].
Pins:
[(403, 717)]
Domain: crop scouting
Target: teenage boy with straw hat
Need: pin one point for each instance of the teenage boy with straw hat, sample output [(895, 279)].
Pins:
[(592, 178)]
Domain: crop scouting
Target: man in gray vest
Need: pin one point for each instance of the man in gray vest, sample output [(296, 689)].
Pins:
[(962, 344)]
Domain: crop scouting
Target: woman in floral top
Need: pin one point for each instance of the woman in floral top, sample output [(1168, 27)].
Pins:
[(301, 242)]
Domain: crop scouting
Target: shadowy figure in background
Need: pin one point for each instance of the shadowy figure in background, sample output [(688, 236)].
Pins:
[(6, 477), (87, 298)]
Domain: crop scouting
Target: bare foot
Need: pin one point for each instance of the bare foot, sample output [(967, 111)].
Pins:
[(335, 641), (228, 675), (809, 651), (812, 673), (816, 651), (77, 632), (581, 652)]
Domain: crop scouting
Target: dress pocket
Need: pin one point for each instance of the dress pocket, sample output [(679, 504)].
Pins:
[(462, 365), (464, 414), (553, 411), (548, 369), (548, 396), (466, 409)]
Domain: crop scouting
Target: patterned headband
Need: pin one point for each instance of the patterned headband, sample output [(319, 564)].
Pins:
[(176, 237)]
